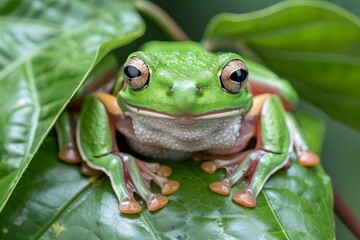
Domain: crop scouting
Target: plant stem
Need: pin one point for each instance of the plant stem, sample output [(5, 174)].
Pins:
[(162, 18), (346, 215)]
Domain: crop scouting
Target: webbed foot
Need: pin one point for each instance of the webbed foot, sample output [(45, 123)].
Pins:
[(253, 167), (129, 175)]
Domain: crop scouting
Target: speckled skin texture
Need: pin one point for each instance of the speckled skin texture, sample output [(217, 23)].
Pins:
[(177, 138)]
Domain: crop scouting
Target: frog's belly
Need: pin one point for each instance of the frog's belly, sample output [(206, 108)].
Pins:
[(177, 139)]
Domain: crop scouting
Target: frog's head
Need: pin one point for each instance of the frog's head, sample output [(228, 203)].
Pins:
[(181, 79)]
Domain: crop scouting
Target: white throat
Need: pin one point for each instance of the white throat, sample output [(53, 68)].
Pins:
[(185, 135)]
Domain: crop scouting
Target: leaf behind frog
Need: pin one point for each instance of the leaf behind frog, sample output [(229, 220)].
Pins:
[(314, 44)]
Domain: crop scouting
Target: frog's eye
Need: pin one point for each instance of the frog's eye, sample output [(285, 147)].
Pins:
[(234, 76), (136, 73)]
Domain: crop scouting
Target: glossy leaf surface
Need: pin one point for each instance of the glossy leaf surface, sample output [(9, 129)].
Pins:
[(312, 43), (46, 49), (53, 200)]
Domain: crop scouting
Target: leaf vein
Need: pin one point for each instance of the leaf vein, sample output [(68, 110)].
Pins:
[(35, 116), (275, 215), (18, 62)]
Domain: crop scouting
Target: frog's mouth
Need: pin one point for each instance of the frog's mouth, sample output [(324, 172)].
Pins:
[(208, 115)]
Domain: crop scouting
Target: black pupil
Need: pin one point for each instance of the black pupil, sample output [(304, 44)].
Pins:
[(239, 75), (132, 72)]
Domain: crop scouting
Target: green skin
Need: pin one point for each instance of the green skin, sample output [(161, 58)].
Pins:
[(193, 74), (184, 71)]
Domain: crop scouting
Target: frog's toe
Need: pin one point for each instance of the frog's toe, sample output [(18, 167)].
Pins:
[(169, 187), (307, 158), (209, 167), (222, 187), (245, 198), (69, 155), (129, 207), (164, 171), (156, 202)]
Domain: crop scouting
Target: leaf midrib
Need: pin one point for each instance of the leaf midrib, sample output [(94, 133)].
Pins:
[(90, 7), (36, 104), (276, 217)]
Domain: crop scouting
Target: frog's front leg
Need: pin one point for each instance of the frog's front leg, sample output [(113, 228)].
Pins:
[(98, 147), (255, 166)]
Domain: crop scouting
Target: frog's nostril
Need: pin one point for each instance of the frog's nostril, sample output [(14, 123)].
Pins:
[(199, 89), (170, 88)]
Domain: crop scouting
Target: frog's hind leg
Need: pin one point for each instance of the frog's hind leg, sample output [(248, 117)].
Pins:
[(255, 166), (98, 147)]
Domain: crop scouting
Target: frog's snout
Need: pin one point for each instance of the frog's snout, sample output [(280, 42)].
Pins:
[(194, 89), (184, 94)]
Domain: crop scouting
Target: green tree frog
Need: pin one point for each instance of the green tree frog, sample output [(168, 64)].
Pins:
[(175, 101)]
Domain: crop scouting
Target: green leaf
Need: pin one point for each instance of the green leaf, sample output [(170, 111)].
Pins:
[(53, 200), (47, 48), (312, 43)]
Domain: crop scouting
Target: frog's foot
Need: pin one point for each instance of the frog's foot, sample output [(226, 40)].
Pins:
[(69, 155), (158, 173), (129, 175), (253, 167)]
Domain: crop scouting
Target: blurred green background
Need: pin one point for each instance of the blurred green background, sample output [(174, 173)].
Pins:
[(341, 147)]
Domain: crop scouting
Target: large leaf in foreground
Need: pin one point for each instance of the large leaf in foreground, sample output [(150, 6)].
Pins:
[(312, 43), (47, 48), (53, 200)]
